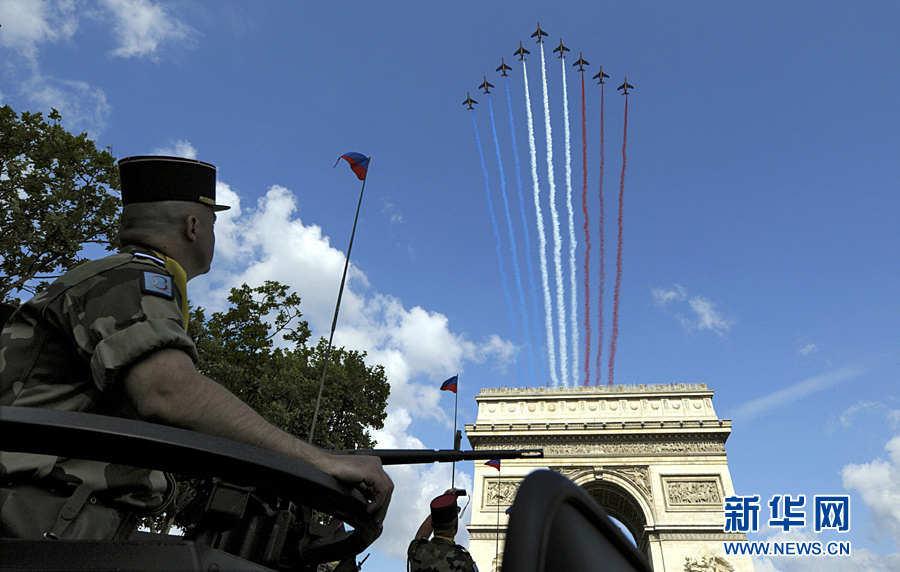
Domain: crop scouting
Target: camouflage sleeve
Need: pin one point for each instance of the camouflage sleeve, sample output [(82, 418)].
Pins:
[(123, 323)]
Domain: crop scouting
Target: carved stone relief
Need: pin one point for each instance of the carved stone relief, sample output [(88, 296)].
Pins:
[(500, 493), (691, 492)]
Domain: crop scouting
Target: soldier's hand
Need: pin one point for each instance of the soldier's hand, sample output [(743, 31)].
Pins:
[(369, 477)]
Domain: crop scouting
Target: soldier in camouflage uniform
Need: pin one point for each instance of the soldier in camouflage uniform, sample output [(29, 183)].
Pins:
[(110, 337), (440, 553)]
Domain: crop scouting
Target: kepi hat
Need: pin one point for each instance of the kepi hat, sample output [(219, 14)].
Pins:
[(151, 178), (444, 511)]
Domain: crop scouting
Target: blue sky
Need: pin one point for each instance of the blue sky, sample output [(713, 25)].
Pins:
[(760, 241)]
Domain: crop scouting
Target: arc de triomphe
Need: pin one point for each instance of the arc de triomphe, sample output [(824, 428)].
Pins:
[(653, 456)]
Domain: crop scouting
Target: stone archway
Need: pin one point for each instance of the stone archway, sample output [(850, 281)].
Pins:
[(652, 456)]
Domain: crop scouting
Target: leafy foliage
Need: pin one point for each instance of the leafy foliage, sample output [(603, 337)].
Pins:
[(237, 349), (58, 192)]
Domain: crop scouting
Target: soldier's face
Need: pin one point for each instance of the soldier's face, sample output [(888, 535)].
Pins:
[(206, 239)]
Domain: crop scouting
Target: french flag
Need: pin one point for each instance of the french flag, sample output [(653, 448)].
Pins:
[(493, 463)]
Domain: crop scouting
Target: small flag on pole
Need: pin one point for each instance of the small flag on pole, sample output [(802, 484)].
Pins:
[(358, 162), (508, 509), (494, 463), (450, 384)]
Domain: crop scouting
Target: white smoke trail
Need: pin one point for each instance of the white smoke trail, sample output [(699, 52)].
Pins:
[(572, 244), (557, 238), (542, 238)]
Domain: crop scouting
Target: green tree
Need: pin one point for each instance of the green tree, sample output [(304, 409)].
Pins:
[(58, 192), (237, 349)]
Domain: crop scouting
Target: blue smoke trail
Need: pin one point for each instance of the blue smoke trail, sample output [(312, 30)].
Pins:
[(512, 245), (534, 296), (487, 190)]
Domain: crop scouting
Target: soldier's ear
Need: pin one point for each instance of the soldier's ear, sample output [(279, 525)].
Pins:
[(190, 228)]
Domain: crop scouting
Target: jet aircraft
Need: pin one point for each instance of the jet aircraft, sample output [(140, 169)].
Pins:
[(625, 86), (485, 85), (521, 52), (600, 76), (503, 67), (539, 33), (581, 62), (469, 101), (561, 49)]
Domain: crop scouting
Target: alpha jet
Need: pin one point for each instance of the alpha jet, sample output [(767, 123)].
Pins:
[(503, 67), (539, 33), (521, 52), (600, 76), (561, 49), (581, 62), (625, 86), (469, 101), (485, 85)]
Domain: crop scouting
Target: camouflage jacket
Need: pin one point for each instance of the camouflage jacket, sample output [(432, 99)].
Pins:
[(64, 350), (439, 555)]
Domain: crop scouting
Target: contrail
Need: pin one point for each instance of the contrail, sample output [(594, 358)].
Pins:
[(615, 329), (602, 241), (557, 239), (487, 190), (512, 244), (542, 238), (534, 303), (573, 288), (587, 242)]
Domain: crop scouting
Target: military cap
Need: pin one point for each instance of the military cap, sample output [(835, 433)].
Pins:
[(444, 510), (151, 178)]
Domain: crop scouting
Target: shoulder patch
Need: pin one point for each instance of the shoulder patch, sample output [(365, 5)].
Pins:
[(157, 284), (149, 257)]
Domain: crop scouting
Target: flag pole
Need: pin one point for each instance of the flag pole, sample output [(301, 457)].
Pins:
[(337, 307), (455, 404), (499, 496)]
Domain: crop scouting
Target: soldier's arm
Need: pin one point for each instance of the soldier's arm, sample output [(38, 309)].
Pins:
[(166, 388), (425, 529)]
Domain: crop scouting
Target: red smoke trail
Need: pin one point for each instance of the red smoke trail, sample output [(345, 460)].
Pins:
[(587, 242), (602, 241), (615, 329)]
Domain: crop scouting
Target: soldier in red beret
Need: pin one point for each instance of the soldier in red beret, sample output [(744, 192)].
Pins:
[(440, 553)]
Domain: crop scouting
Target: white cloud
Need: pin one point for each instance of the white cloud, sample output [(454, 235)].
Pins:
[(705, 316), (663, 296), (142, 27), (797, 391), (808, 349), (179, 148), (847, 417), (29, 23), (878, 483), (82, 107)]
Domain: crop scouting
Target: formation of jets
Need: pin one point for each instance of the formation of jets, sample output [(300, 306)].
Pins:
[(539, 34)]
